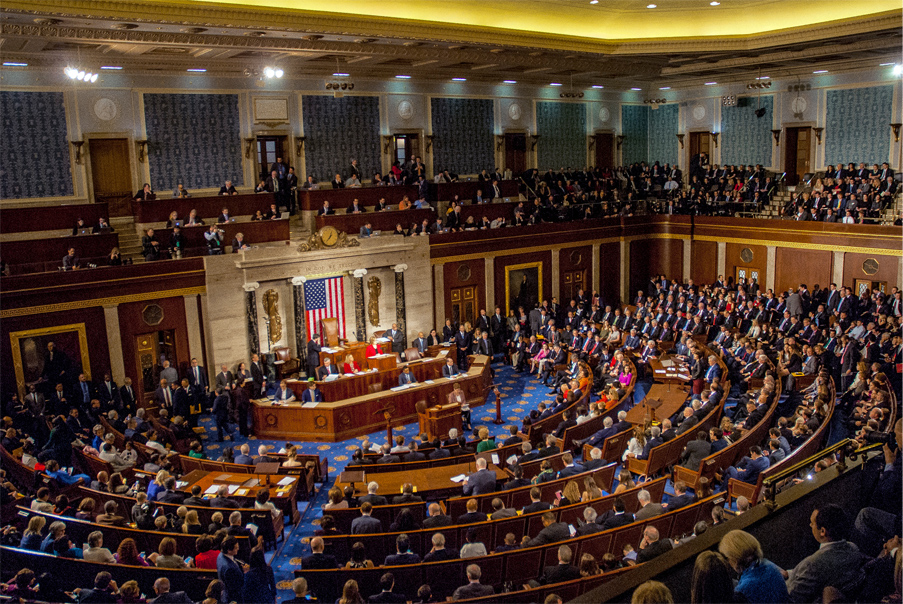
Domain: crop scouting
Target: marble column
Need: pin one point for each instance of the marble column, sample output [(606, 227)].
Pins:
[(625, 271), (114, 342), (722, 259), (837, 272), (400, 301), (193, 322), (251, 315), (597, 269), (556, 273), (688, 259), (489, 264), (770, 266), (360, 313), (300, 323), (439, 293)]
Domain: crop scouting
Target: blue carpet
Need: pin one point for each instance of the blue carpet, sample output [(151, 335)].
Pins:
[(520, 394)]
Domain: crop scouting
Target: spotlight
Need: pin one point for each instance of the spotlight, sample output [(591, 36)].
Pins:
[(279, 73), (760, 112), (269, 72)]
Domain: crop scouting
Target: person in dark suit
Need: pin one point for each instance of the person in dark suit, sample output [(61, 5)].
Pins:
[(371, 497), (318, 559), (244, 457), (403, 554), (449, 370), (222, 500), (480, 482), (386, 584), (536, 505), (651, 546), (681, 497), (617, 517), (170, 495), (436, 518), (195, 499), (589, 525), (407, 495), (571, 468), (421, 344), (529, 453), (695, 451), (464, 343), (552, 531), (749, 468), (327, 369), (563, 571), (647, 508), (108, 393), (228, 570), (313, 355), (161, 588), (406, 377), (397, 338), (258, 376), (473, 589), (471, 516)]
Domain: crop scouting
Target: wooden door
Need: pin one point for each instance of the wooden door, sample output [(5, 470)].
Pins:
[(270, 149), (604, 150), (150, 351), (464, 304), (407, 147), (866, 285), (516, 153), (749, 273), (790, 157), (797, 153), (111, 175), (571, 283), (700, 143)]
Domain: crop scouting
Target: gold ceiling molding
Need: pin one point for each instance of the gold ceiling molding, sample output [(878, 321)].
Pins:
[(822, 247), (281, 19), (9, 313), (106, 282)]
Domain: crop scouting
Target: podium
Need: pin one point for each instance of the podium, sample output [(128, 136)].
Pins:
[(438, 420), (383, 362)]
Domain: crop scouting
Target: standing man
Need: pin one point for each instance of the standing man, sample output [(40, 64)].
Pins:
[(313, 355), (291, 185), (221, 413), (464, 342), (258, 377), (200, 386), (397, 339)]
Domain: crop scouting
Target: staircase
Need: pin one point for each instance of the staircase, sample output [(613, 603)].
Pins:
[(129, 238)]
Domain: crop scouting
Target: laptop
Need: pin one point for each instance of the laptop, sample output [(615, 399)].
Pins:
[(375, 233), (84, 231), (178, 223)]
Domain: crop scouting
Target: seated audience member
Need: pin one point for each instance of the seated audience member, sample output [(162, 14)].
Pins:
[(472, 547), (403, 554), (365, 523), (473, 588), (318, 559)]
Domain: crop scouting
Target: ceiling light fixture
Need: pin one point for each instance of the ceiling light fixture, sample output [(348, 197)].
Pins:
[(665, 88), (758, 85), (598, 87), (341, 75), (714, 3), (403, 77), (555, 84), (510, 82), (898, 70), (80, 74), (273, 72), (821, 71), (652, 6), (763, 78), (197, 70), (13, 64), (459, 79), (636, 89), (594, 1), (885, 64), (710, 83), (113, 67)]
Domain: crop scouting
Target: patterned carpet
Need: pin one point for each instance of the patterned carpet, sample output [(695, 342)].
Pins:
[(521, 393)]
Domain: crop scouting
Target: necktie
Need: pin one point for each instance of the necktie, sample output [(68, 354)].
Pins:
[(129, 390), (85, 390), (166, 394), (197, 377)]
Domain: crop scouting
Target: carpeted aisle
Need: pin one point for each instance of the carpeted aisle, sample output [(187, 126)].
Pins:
[(520, 394)]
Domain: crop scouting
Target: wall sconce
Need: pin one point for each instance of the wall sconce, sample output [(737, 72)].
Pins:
[(818, 132), (680, 139), (620, 140), (896, 130), (591, 142), (249, 144), (78, 150), (534, 138), (429, 142), (499, 141), (299, 145), (777, 137), (142, 148), (387, 142), (715, 138)]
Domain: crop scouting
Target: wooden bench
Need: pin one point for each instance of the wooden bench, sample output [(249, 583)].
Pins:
[(45, 255), (28, 480), (61, 217), (379, 221)]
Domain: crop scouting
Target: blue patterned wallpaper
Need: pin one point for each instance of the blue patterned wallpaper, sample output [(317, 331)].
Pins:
[(463, 135), (562, 131), (635, 128), (339, 130), (856, 125), (663, 127), (195, 138), (746, 139), (34, 156)]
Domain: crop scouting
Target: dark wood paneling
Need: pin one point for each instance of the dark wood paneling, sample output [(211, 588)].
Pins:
[(466, 190), (95, 326), (573, 259), (255, 232), (888, 268), (452, 277), (759, 260), (381, 221), (794, 266), (704, 261), (208, 208), (654, 257), (343, 198), (50, 218), (609, 285), (502, 261), (51, 250)]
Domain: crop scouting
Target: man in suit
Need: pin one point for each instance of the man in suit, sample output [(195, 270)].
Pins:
[(749, 468), (654, 440), (258, 377), (371, 497), (552, 531), (563, 571), (406, 377), (647, 508), (595, 460), (244, 457), (403, 554), (397, 338), (313, 355), (197, 380), (681, 497), (836, 563), (616, 517), (536, 505), (222, 500), (262, 456), (327, 369), (695, 451), (84, 391), (449, 370), (589, 525), (386, 584), (571, 468), (480, 482), (224, 378), (499, 510), (108, 393), (164, 395), (436, 518), (317, 559), (471, 516), (407, 495), (421, 344), (651, 545), (473, 589), (170, 495), (365, 524), (195, 499), (464, 342), (688, 419)]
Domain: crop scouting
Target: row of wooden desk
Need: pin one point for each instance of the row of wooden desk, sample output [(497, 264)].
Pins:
[(255, 232), (158, 210), (51, 218), (363, 414), (380, 221), (431, 483), (50, 250), (284, 496)]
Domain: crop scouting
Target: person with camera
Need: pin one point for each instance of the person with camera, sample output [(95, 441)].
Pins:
[(214, 237)]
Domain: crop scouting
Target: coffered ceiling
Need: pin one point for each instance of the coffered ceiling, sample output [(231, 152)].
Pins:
[(614, 43)]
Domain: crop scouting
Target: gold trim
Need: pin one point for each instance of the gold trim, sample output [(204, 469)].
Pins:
[(113, 301), (824, 247), (106, 281), (514, 267), (15, 336)]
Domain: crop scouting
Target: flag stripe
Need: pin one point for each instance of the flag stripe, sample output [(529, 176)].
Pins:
[(324, 299)]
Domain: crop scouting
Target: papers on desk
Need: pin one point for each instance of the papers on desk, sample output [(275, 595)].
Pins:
[(241, 492), (222, 477), (181, 484), (659, 371), (667, 363), (458, 478), (429, 382), (286, 481), (250, 483), (402, 387), (309, 405), (495, 458), (292, 381), (331, 377), (359, 373), (211, 489), (442, 353), (380, 356), (233, 488)]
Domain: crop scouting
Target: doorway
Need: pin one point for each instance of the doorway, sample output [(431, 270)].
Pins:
[(700, 142), (604, 149), (866, 285), (269, 149), (464, 303), (407, 147), (111, 175), (797, 153), (749, 273), (151, 350), (516, 153)]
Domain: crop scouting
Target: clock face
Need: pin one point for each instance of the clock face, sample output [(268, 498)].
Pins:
[(105, 109), (329, 235), (870, 266)]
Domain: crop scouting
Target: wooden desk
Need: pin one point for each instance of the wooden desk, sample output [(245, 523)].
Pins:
[(673, 397), (285, 500), (52, 249), (440, 419), (343, 198), (51, 218), (380, 221), (245, 204), (490, 210), (675, 374), (255, 232), (334, 421), (432, 483), (465, 191), (351, 386), (357, 350), (382, 362)]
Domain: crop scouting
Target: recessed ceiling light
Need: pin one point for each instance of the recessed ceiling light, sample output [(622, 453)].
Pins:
[(710, 83), (13, 64), (594, 1), (665, 88), (459, 79), (821, 71), (713, 3), (763, 78), (652, 6), (510, 81), (636, 88), (115, 67), (555, 84), (198, 70), (340, 75), (898, 69), (886, 64), (403, 77), (597, 86)]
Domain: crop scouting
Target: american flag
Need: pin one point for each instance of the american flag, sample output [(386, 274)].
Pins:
[(324, 299)]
